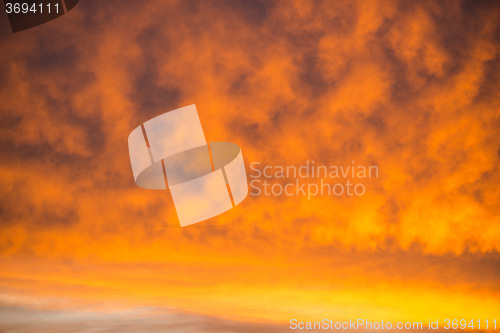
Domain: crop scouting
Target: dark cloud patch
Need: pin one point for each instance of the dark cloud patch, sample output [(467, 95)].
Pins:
[(376, 122), (253, 12), (151, 97), (10, 209), (18, 204), (42, 154), (392, 209), (474, 269), (93, 137), (488, 90), (91, 124), (191, 7), (43, 215), (475, 9), (57, 214), (69, 166), (240, 85), (9, 120), (58, 63), (49, 57), (311, 76), (253, 132), (97, 14)]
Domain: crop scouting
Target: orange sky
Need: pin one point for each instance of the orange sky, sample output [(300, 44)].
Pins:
[(410, 87)]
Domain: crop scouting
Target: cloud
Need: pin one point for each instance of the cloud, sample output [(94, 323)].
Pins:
[(125, 320), (411, 88)]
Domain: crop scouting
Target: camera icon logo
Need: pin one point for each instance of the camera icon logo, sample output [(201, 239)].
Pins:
[(205, 179)]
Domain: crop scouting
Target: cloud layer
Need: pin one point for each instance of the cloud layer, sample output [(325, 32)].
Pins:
[(409, 87)]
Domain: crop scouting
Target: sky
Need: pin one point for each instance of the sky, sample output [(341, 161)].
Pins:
[(411, 87)]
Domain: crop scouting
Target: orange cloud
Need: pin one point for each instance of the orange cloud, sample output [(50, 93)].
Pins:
[(411, 88)]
